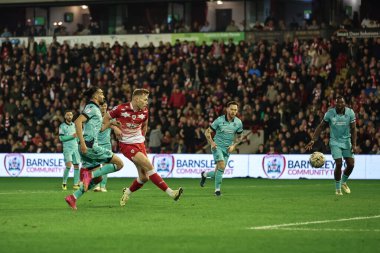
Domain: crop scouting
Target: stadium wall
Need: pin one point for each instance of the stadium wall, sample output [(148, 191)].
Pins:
[(191, 165), (145, 39), (142, 39)]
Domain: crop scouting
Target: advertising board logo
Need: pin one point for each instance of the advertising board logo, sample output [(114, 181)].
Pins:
[(274, 165), (164, 164), (14, 164)]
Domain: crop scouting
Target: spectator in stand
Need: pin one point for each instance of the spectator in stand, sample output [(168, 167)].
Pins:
[(167, 142), (155, 140), (258, 26), (261, 149), (6, 48), (6, 33), (177, 98), (180, 148), (314, 25), (232, 27), (206, 27), (19, 31), (271, 19), (282, 25)]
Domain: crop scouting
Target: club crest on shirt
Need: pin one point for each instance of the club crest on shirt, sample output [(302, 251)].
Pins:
[(125, 114)]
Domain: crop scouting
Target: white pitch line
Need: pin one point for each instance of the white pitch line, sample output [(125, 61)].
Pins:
[(312, 222), (328, 229)]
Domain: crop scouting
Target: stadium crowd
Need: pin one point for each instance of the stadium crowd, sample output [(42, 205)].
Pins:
[(283, 88)]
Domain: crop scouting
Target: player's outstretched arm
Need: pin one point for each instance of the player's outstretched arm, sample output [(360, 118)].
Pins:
[(316, 134)]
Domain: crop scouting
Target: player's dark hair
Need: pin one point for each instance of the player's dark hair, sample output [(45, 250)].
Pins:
[(68, 110), (232, 103), (139, 92), (339, 97), (89, 93)]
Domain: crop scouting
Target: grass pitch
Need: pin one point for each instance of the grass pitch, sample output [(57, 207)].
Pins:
[(252, 216)]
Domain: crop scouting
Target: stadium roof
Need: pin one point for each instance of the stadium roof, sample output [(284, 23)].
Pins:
[(81, 2), (15, 2), (41, 3)]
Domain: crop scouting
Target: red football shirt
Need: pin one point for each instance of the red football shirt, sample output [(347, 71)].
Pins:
[(131, 122)]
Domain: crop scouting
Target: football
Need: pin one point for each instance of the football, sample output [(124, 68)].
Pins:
[(317, 159)]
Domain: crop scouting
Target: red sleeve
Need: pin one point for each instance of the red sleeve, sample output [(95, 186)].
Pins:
[(115, 112)]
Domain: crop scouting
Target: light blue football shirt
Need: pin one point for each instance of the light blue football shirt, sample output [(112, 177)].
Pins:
[(226, 130), (340, 134), (94, 122), (104, 138), (68, 130)]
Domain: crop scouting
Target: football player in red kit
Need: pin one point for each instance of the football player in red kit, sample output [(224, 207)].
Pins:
[(133, 117)]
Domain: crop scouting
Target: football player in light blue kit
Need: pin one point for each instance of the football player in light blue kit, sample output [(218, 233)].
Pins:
[(68, 137), (226, 127), (88, 126), (342, 123), (104, 140)]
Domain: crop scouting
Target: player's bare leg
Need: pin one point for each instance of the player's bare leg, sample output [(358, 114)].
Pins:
[(136, 184), (142, 161)]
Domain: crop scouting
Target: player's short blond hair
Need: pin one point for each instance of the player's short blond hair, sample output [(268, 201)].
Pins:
[(140, 92)]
